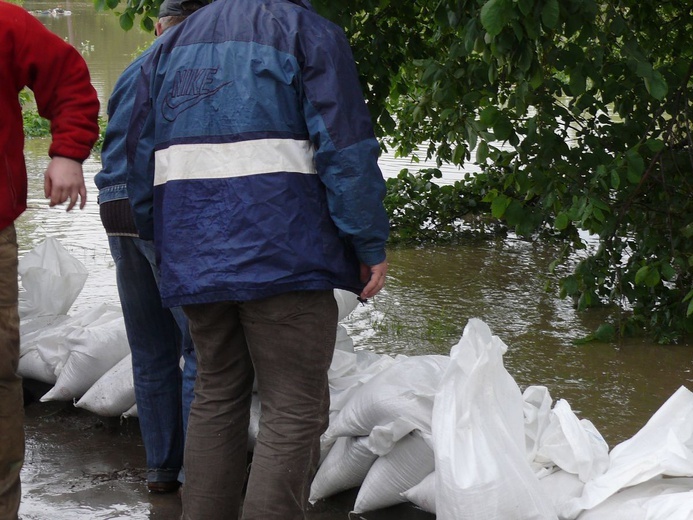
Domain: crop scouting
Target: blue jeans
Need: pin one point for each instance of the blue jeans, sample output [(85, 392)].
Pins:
[(157, 338)]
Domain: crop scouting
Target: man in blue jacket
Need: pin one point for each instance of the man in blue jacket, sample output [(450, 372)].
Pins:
[(253, 166), (157, 336)]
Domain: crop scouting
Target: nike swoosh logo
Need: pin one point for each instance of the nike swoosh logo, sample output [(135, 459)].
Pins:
[(171, 108)]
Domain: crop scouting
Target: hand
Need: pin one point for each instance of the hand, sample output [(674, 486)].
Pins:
[(64, 180), (374, 278)]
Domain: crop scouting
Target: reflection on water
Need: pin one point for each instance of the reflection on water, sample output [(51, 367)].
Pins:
[(431, 293)]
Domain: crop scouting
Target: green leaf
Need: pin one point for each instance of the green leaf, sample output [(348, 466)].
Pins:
[(525, 6), (689, 296), (615, 179), (482, 152), (578, 84), (503, 128), (459, 154), (148, 25), (641, 274), (668, 271), (492, 18), (126, 21), (499, 205), (687, 231), (561, 221), (652, 278), (488, 116), (569, 284), (655, 145), (690, 309), (605, 333), (549, 14), (657, 86), (636, 166), (515, 215)]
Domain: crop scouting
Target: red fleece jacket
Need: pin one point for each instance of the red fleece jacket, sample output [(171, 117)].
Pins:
[(32, 56)]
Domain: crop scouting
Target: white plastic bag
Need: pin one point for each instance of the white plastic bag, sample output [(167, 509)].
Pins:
[(402, 392), (350, 370), (405, 466), (51, 280), (423, 495), (482, 472), (114, 393), (655, 499), (664, 446), (35, 332), (347, 301), (536, 409), (96, 342), (572, 444), (345, 467)]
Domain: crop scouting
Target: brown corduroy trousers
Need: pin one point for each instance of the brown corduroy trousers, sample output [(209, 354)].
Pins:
[(287, 343), (11, 395)]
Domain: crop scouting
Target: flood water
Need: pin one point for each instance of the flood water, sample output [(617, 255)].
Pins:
[(431, 293)]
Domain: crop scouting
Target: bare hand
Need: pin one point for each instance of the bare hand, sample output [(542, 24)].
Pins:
[(64, 180), (374, 278)]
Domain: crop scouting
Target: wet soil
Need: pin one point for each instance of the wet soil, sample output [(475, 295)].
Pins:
[(80, 466)]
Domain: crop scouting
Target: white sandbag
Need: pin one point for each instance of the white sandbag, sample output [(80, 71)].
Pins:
[(561, 486), (132, 412), (51, 279), (423, 495), (383, 438), (671, 506), (403, 392), (664, 446), (345, 467), (94, 350), (44, 332), (482, 472), (655, 499), (350, 370), (536, 409), (52, 342), (32, 366), (572, 444), (347, 301), (343, 342), (406, 465), (114, 393), (326, 443)]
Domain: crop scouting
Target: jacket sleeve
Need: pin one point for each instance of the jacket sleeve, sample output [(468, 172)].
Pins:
[(59, 78), (341, 131), (140, 153), (113, 152)]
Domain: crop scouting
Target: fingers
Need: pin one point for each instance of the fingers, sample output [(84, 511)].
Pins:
[(376, 275), (64, 181), (59, 196)]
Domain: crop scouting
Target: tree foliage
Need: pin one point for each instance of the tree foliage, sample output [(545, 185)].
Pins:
[(577, 114)]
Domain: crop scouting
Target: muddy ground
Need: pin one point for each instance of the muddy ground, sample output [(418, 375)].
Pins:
[(80, 466)]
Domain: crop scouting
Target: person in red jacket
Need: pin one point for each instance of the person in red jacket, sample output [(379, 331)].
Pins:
[(32, 56)]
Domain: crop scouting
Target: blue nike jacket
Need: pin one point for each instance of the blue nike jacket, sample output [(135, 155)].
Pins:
[(251, 156)]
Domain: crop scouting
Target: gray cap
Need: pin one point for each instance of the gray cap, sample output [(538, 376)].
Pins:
[(180, 7)]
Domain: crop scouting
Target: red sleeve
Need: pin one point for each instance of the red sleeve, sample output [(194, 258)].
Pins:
[(59, 78)]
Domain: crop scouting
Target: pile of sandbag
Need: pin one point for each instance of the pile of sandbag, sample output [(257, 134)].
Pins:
[(456, 436), (452, 434)]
